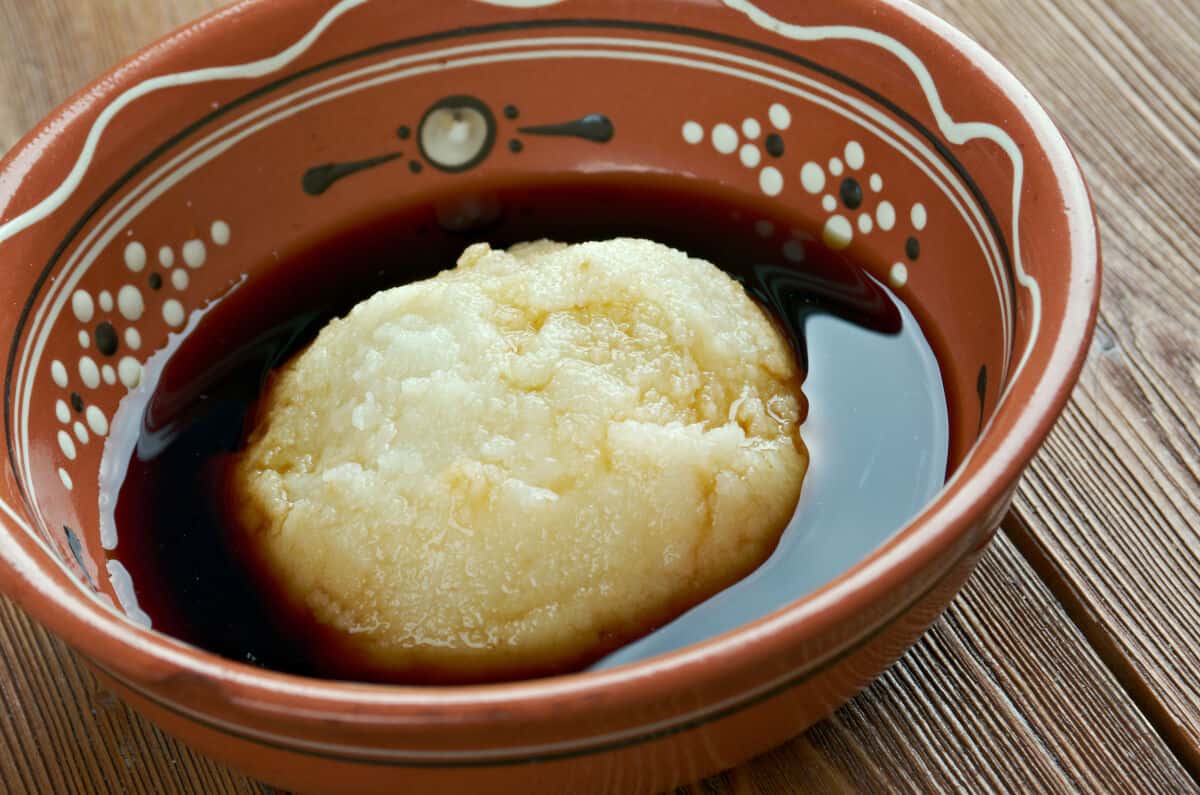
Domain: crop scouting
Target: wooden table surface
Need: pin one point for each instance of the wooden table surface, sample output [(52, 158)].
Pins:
[(1071, 660)]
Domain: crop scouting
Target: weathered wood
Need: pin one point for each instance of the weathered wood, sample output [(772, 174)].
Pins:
[(1002, 694)]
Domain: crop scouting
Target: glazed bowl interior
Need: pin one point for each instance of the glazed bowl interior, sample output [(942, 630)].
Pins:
[(228, 203)]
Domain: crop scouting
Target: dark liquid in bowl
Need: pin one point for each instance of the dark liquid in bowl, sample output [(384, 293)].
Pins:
[(167, 509)]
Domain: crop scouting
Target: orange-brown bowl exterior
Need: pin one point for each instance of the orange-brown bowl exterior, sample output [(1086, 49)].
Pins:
[(659, 71)]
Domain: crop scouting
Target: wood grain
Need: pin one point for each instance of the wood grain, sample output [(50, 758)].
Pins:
[(1005, 693), (1110, 512), (1001, 695)]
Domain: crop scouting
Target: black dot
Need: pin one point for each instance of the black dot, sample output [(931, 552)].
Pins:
[(415, 166), (155, 281), (912, 248), (77, 402), (106, 338), (511, 112), (515, 146), (852, 193), (774, 145), (403, 133)]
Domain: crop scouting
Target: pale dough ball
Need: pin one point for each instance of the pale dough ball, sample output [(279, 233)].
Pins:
[(525, 462)]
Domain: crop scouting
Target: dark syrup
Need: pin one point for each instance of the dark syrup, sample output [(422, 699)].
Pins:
[(168, 513)]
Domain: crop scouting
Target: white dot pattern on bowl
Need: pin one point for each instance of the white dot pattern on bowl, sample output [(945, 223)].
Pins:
[(135, 257), (727, 137), (89, 372), (812, 177), (131, 303), (780, 116), (220, 233), (751, 156), (173, 313), (129, 370), (96, 420), (101, 314), (58, 372), (195, 254), (67, 445), (885, 214), (838, 233), (919, 217), (771, 181), (83, 306), (850, 193)]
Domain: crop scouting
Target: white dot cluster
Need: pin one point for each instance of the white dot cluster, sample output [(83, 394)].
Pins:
[(839, 230), (126, 307), (728, 139)]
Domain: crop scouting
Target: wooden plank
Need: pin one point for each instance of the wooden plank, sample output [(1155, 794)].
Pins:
[(1110, 513), (61, 733), (1004, 693)]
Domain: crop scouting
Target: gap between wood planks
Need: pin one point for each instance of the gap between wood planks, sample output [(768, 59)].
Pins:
[(1103, 643)]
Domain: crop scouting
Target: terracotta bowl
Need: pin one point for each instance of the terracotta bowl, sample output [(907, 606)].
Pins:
[(214, 159)]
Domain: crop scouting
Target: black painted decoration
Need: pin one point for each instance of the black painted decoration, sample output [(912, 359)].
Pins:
[(852, 193), (77, 552), (515, 146), (319, 179), (77, 402), (107, 341), (981, 385), (774, 145), (593, 127), (460, 108), (912, 248)]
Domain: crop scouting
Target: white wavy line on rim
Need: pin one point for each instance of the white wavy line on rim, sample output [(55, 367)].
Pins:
[(206, 156), (520, 3), (990, 249), (956, 132), (213, 74), (16, 518)]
